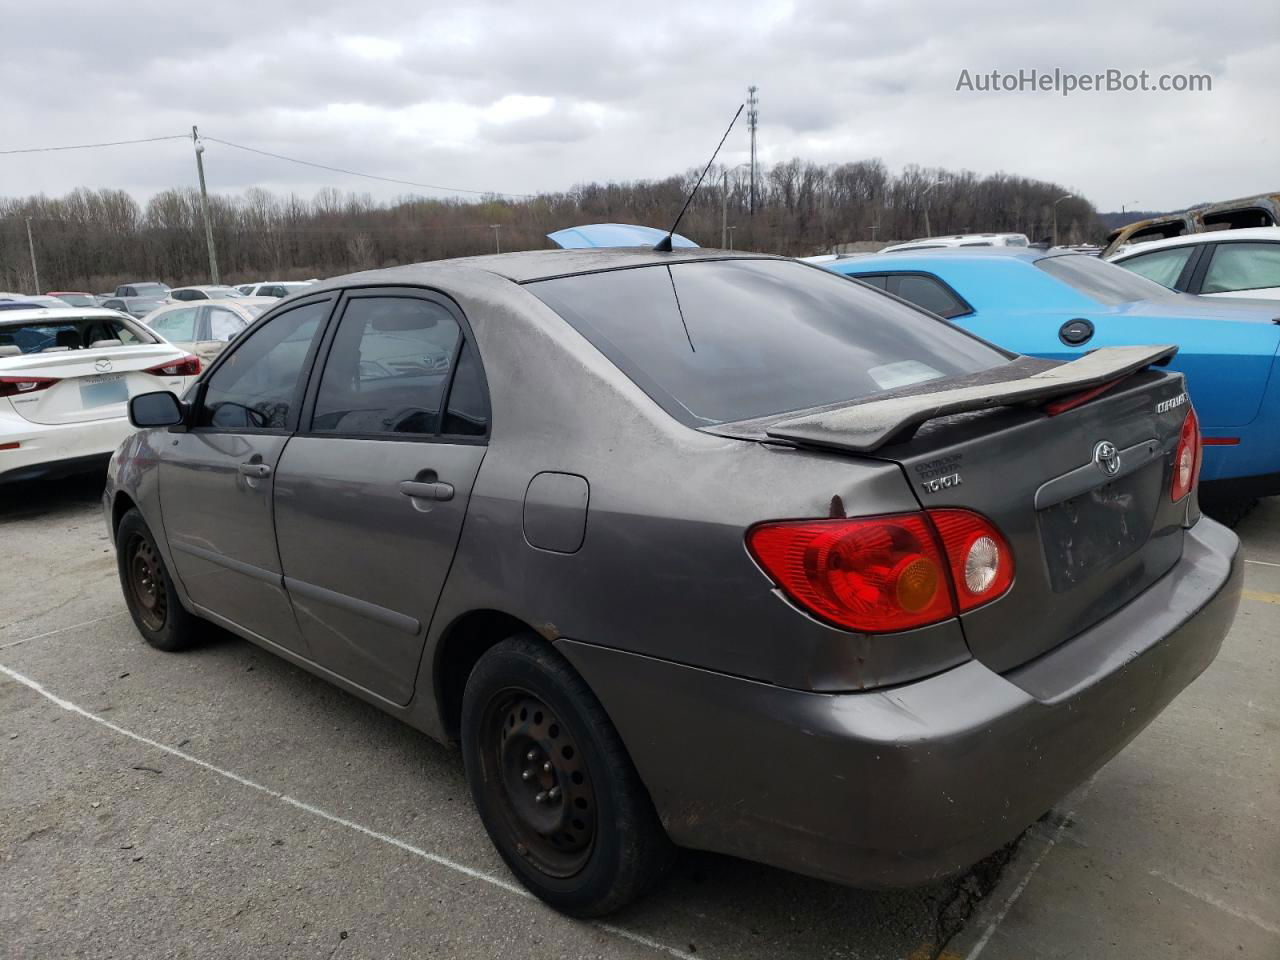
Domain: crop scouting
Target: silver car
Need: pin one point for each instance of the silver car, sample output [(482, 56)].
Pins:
[(206, 328), (690, 549)]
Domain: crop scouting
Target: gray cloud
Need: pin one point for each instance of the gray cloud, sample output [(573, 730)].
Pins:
[(520, 98)]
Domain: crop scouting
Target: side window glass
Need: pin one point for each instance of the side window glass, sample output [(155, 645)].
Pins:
[(468, 412), (257, 386), (1243, 266), (930, 294), (387, 369), (179, 325), (1162, 266), (878, 280), (224, 324)]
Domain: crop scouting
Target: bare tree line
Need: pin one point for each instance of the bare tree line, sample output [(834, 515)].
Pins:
[(93, 239)]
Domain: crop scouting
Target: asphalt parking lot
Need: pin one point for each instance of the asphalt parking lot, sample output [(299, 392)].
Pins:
[(223, 803)]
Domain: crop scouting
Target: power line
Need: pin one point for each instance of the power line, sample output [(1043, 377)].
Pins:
[(370, 176), (277, 156), (87, 146)]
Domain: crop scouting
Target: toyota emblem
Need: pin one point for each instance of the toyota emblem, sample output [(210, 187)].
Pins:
[(103, 365), (1107, 457)]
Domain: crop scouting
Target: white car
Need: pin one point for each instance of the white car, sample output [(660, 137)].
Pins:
[(274, 288), (205, 328), (204, 292), (962, 240), (66, 377), (1224, 263)]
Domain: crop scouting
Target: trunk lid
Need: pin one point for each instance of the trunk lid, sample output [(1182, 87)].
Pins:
[(1084, 542), (93, 384)]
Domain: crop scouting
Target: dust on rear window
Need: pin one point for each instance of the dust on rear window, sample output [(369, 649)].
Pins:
[(723, 340)]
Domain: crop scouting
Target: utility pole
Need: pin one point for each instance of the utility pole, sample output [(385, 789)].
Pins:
[(31, 245), (1055, 216), (724, 209), (753, 118), (497, 244), (204, 206), (928, 232)]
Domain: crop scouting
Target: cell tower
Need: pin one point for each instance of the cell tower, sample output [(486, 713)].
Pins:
[(753, 114)]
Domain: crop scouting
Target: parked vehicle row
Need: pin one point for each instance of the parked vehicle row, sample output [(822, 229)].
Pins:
[(698, 548), (1061, 305)]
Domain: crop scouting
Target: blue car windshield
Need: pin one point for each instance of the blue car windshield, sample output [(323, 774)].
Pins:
[(1102, 281), (721, 340)]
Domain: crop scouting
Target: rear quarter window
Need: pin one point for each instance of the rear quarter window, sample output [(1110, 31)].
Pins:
[(724, 340)]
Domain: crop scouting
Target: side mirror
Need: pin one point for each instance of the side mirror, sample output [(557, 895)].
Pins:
[(158, 409)]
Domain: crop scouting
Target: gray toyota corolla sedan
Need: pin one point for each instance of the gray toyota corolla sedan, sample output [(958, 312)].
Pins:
[(690, 549)]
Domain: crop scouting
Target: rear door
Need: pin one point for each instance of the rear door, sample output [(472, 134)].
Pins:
[(217, 479), (371, 496), (216, 328), (1241, 268)]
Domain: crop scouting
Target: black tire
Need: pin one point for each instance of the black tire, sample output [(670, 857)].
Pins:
[(596, 846), (1228, 510), (148, 589)]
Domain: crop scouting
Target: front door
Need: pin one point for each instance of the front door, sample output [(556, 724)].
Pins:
[(370, 498), (217, 479)]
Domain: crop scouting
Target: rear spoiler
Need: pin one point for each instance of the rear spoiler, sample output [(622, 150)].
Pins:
[(862, 427)]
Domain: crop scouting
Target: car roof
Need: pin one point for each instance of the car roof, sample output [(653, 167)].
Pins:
[(56, 313), (954, 255), (1211, 236), (530, 265)]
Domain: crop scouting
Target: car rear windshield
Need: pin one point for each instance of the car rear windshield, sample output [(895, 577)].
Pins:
[(724, 340), (1104, 282), (73, 333), (150, 289)]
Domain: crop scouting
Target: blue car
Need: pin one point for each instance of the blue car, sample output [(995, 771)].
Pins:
[(1060, 304)]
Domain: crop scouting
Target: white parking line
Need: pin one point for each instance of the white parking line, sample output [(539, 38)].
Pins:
[(1220, 904), (435, 858), (51, 633), (1263, 563), (981, 945)]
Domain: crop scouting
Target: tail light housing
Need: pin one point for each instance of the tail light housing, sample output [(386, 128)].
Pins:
[(188, 366), (1186, 458), (886, 573), (980, 558), (17, 386)]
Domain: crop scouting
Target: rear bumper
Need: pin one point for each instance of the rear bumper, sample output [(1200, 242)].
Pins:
[(56, 450), (901, 786)]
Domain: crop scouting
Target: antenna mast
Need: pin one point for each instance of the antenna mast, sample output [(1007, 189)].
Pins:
[(753, 116)]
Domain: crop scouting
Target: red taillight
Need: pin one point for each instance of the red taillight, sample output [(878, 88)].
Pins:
[(16, 386), (980, 558), (876, 574), (1186, 458), (188, 366)]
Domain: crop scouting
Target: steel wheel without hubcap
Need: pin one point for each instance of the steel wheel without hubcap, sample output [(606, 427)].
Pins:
[(146, 583), (542, 784)]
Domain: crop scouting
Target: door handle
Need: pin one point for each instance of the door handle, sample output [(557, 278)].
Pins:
[(420, 490), (258, 471)]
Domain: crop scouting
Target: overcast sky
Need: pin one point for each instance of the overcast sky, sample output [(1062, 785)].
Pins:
[(539, 96)]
